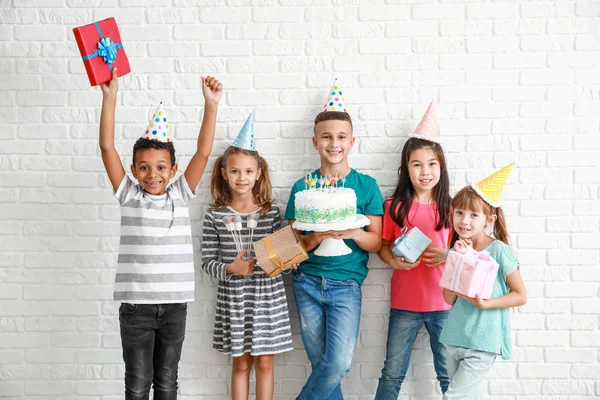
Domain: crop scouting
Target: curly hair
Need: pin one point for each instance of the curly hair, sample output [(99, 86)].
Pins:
[(144, 144)]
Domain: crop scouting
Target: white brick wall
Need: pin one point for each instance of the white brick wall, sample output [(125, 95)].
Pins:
[(515, 81)]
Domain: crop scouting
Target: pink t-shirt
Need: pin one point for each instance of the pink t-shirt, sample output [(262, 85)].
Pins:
[(418, 289)]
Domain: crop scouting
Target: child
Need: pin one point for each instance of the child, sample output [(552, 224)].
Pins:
[(327, 289), (251, 315), (155, 268), (478, 330), (421, 199)]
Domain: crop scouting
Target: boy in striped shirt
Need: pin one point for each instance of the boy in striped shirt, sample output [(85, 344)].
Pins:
[(155, 268)]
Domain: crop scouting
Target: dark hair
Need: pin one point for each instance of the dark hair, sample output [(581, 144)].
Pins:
[(405, 191), (468, 199), (144, 144), (333, 116), (221, 191)]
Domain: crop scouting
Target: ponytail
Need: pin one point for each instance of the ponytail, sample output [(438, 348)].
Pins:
[(500, 229)]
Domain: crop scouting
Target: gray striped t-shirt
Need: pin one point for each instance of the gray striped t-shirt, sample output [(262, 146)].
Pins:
[(156, 257)]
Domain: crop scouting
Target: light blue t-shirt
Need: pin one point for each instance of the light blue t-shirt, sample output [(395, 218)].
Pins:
[(485, 330), (353, 265)]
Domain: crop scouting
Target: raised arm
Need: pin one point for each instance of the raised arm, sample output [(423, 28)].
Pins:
[(110, 157), (212, 91)]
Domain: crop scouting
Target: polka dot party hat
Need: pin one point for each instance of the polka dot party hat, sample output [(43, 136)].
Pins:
[(158, 128), (428, 127), (335, 99), (490, 189), (245, 139)]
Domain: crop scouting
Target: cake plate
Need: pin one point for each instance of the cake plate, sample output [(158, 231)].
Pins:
[(333, 247)]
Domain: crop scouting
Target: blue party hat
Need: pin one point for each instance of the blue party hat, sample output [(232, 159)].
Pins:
[(245, 139)]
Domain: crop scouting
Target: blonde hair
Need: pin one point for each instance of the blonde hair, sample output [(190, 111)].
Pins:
[(220, 190), (468, 199)]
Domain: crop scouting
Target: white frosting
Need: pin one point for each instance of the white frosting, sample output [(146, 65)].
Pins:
[(329, 200)]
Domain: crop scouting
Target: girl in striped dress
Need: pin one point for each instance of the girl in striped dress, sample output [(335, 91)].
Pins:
[(251, 314)]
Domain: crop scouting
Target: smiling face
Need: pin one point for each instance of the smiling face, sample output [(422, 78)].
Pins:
[(471, 224), (241, 172), (153, 170), (423, 169), (333, 140)]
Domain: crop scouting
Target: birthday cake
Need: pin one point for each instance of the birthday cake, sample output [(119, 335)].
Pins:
[(324, 202)]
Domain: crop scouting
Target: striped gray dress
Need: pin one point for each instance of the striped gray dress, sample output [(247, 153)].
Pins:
[(251, 313)]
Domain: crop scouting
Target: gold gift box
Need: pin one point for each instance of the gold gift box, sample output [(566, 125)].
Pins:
[(279, 251)]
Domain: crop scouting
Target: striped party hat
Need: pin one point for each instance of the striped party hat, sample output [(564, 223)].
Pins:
[(158, 127), (428, 127), (335, 99), (490, 189)]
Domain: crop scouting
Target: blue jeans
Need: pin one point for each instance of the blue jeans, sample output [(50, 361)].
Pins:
[(402, 332), (152, 336), (329, 312)]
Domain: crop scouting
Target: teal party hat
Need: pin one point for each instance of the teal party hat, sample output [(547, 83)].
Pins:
[(245, 139)]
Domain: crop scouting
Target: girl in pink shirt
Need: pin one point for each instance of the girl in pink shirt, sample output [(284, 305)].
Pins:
[(421, 199)]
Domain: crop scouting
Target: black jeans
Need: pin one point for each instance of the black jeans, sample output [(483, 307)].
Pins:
[(152, 336)]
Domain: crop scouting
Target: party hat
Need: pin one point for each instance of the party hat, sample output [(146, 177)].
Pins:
[(245, 139), (428, 127), (335, 100), (158, 128), (491, 187)]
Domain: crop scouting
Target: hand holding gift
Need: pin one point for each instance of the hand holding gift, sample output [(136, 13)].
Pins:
[(400, 264), (110, 88), (102, 51), (410, 245), (469, 273), (280, 251), (434, 256)]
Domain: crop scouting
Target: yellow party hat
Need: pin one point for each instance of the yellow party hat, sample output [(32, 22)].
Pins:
[(490, 188)]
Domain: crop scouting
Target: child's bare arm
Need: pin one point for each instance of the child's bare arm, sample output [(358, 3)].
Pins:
[(369, 239), (516, 297), (212, 91), (110, 157), (450, 296), (386, 255)]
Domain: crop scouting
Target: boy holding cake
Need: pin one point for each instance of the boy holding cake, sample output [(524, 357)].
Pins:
[(328, 288)]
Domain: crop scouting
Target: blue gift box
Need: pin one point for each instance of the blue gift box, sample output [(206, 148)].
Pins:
[(410, 245)]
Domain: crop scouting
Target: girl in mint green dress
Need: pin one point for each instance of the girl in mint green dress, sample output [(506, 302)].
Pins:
[(478, 330)]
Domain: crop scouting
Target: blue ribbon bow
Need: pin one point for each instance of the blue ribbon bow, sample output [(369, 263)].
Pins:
[(107, 49)]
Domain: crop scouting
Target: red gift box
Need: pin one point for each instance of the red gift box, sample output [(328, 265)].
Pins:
[(101, 49)]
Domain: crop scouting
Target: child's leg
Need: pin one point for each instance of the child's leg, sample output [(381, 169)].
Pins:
[(240, 376), (434, 322), (452, 360), (265, 381), (466, 381), (167, 349), (402, 332), (138, 324), (342, 302)]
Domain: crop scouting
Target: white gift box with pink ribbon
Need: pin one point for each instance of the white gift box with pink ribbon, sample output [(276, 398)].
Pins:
[(470, 273)]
